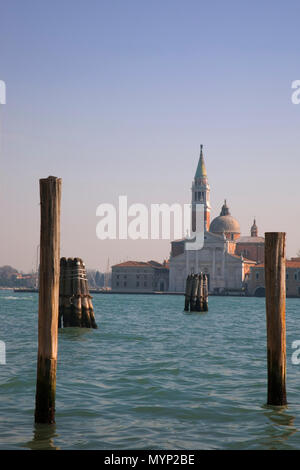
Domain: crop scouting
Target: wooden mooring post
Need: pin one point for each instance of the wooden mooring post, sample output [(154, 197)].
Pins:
[(196, 293), (50, 197), (76, 307), (188, 291), (275, 282)]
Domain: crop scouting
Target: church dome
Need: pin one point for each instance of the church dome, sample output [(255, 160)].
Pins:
[(225, 223)]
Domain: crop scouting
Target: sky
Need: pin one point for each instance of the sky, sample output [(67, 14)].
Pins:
[(115, 98)]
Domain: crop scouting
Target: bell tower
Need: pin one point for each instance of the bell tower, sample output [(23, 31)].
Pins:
[(254, 229), (200, 193)]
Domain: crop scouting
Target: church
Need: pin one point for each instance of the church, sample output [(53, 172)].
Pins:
[(226, 256)]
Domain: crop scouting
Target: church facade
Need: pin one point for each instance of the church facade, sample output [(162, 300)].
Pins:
[(225, 257)]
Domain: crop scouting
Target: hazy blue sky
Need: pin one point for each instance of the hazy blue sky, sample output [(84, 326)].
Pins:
[(116, 96)]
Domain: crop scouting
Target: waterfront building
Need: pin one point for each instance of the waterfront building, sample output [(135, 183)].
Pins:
[(226, 256), (256, 280), (252, 247), (140, 277)]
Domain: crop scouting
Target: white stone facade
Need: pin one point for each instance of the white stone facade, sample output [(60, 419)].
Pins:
[(225, 271)]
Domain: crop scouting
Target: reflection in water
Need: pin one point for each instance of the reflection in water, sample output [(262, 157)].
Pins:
[(74, 333), (43, 437), (151, 377), (281, 426)]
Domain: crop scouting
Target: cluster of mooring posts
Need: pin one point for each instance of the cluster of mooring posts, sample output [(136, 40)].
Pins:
[(196, 293), (75, 303), (195, 300)]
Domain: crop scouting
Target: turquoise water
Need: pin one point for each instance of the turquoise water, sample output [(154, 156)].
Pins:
[(151, 377)]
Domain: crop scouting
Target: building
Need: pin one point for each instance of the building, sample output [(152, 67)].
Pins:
[(201, 192), (256, 280), (226, 257), (140, 277), (252, 247)]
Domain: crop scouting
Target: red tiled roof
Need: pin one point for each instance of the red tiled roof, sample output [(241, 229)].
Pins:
[(131, 263), (140, 264), (248, 240)]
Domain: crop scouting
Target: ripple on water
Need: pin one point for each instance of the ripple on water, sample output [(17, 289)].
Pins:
[(150, 377)]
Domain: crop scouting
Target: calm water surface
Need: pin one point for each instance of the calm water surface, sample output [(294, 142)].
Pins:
[(151, 377)]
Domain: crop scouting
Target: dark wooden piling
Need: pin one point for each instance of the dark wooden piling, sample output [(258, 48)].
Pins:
[(275, 315), (68, 292), (85, 302), (195, 282), (77, 310), (205, 293), (92, 320), (199, 301), (60, 299), (91, 316), (188, 291), (62, 291), (50, 197), (76, 304), (196, 293)]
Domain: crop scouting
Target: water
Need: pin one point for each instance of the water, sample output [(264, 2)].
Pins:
[(151, 377)]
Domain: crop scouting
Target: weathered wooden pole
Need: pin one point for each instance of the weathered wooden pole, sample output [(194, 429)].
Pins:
[(199, 302), (205, 293), (84, 301), (275, 313), (67, 316), (195, 282), (50, 197), (76, 292), (62, 291), (188, 291)]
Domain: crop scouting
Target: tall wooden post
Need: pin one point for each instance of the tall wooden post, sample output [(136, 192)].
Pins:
[(275, 310), (50, 196)]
